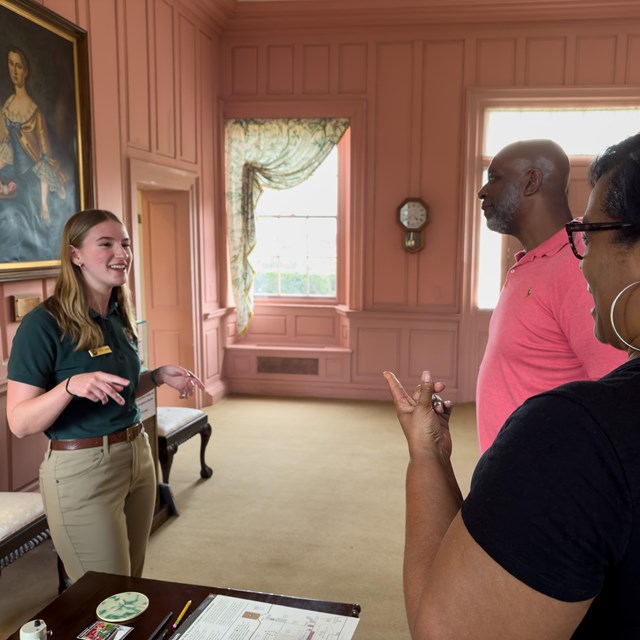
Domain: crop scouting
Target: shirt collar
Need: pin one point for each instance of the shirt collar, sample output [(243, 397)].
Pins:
[(549, 247), (113, 307)]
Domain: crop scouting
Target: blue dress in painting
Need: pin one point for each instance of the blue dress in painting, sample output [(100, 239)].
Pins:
[(34, 201)]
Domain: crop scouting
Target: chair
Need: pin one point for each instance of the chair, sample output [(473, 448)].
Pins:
[(23, 526), (175, 425)]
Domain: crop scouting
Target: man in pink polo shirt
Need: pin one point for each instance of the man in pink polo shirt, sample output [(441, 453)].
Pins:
[(541, 332)]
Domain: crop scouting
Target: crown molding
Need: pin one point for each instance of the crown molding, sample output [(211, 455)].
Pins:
[(284, 14), (216, 13)]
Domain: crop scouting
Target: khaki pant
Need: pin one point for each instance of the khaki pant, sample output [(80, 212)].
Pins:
[(99, 504)]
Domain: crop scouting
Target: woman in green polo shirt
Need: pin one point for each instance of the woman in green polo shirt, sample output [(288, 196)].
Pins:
[(73, 374)]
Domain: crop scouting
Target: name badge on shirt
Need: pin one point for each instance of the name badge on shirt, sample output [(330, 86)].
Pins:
[(100, 351)]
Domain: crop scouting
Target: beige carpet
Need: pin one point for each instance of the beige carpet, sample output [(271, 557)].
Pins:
[(307, 499)]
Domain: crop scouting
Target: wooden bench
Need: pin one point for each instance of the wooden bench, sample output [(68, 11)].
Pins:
[(23, 526), (175, 425)]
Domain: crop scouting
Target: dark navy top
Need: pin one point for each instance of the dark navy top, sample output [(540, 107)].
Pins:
[(556, 500), (40, 357)]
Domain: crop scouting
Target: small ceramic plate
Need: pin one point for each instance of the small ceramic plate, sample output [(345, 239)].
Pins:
[(122, 606)]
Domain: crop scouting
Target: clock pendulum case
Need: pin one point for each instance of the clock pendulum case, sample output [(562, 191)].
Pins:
[(413, 216)]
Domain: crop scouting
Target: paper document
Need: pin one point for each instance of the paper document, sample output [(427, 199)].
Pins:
[(226, 618)]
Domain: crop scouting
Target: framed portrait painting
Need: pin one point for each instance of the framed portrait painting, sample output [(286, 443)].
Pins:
[(45, 160)]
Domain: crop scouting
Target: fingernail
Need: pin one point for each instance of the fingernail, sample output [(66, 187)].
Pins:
[(426, 376)]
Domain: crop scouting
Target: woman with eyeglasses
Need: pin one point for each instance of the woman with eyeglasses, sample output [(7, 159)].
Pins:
[(547, 543)]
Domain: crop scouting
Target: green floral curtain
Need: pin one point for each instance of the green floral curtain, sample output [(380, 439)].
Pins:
[(274, 153)]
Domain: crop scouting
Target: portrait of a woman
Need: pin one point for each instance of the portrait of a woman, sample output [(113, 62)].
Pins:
[(33, 188)]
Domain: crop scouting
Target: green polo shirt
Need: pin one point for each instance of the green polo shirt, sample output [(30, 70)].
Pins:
[(41, 358)]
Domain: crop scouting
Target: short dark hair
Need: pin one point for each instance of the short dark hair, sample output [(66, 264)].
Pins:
[(621, 199)]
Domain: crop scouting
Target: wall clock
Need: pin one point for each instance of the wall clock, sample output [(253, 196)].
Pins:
[(413, 216)]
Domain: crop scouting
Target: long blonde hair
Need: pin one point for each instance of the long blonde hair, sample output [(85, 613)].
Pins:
[(69, 304)]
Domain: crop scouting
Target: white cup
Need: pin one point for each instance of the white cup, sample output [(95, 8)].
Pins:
[(34, 630)]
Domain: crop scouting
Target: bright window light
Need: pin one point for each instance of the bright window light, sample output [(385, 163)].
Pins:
[(580, 132), (490, 263), (296, 237)]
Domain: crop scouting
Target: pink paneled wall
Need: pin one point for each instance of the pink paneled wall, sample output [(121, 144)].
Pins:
[(164, 74), (412, 78), (154, 89)]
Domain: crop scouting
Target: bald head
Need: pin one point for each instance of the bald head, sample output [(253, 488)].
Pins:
[(526, 194), (546, 156)]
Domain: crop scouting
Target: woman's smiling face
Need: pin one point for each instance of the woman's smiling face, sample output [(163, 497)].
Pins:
[(104, 255)]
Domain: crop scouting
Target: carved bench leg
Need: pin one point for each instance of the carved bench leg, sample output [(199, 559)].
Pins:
[(166, 462), (205, 434)]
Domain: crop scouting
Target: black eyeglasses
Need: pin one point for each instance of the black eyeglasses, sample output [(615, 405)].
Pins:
[(575, 230)]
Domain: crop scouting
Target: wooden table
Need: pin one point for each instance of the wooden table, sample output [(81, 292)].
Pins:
[(75, 609)]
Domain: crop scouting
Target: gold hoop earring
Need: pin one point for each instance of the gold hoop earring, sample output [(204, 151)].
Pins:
[(613, 324)]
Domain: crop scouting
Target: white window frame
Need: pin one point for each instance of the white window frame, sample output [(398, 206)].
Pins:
[(344, 147)]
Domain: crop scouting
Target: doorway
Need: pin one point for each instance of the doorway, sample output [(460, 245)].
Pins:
[(167, 283)]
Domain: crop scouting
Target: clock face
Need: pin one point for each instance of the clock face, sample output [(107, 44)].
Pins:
[(413, 215)]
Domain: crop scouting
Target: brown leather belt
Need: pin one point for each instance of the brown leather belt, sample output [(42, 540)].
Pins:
[(126, 435)]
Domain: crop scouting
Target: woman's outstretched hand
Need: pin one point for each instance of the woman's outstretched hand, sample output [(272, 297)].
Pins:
[(97, 386), (179, 378), (424, 415)]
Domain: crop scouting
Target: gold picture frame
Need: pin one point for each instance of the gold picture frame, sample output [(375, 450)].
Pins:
[(45, 128)]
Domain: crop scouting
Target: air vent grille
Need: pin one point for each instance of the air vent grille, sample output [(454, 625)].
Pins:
[(297, 366)]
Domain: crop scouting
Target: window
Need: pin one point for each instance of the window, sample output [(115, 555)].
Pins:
[(297, 232), (580, 132)]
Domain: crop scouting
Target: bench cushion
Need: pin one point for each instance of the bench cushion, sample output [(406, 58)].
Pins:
[(18, 509), (170, 419)]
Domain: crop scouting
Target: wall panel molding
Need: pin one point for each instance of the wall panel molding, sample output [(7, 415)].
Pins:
[(496, 61), (244, 70), (188, 68), (280, 66), (442, 116), (108, 141), (395, 94), (545, 61), (441, 345), (377, 349), (595, 60), (632, 62), (352, 68), (316, 60), (164, 75)]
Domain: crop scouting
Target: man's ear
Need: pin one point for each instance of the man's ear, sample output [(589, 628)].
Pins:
[(533, 183)]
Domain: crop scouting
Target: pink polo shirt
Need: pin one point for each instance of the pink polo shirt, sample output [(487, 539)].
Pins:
[(540, 335)]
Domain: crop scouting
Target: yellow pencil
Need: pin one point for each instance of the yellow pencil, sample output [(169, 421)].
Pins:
[(177, 622)]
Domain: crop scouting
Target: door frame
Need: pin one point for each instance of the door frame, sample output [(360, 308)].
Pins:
[(149, 176)]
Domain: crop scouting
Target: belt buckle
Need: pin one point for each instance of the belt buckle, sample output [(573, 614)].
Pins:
[(132, 432)]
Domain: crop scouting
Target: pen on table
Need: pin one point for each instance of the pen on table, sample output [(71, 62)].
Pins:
[(184, 610), (164, 621)]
